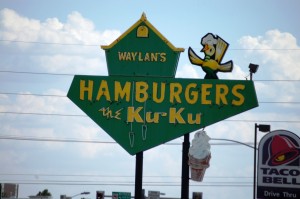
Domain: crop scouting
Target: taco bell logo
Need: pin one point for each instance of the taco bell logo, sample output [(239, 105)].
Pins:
[(282, 150), (278, 173)]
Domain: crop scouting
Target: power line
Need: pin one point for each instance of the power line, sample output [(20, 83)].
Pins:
[(48, 43), (267, 121), (238, 142), (33, 94), (109, 182), (108, 176), (276, 80), (278, 102), (55, 140), (35, 73), (76, 115), (116, 181), (3, 137), (124, 183), (81, 44), (47, 95), (132, 184), (42, 114), (69, 74)]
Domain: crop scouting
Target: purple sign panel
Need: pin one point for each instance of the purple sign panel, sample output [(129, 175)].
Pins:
[(278, 172)]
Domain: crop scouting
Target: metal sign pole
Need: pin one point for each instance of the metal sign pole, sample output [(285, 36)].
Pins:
[(139, 176), (185, 167)]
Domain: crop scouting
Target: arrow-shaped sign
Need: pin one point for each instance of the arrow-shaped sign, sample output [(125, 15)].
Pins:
[(142, 112)]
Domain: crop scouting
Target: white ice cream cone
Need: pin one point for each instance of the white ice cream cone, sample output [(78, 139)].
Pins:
[(199, 155), (198, 167)]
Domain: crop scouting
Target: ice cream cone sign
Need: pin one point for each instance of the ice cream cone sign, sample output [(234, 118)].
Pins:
[(214, 48), (199, 155)]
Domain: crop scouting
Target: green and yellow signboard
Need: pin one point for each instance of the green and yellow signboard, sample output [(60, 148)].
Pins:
[(141, 105)]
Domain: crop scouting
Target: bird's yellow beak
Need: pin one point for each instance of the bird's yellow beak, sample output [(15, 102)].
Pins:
[(205, 48)]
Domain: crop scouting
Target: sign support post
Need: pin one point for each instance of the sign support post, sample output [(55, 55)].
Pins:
[(185, 167), (139, 176)]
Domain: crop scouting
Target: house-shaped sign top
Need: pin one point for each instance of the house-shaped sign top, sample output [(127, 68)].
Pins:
[(142, 51)]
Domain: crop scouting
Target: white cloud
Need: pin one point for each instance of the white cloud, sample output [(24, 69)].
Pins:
[(27, 103), (71, 64), (187, 71), (73, 46), (279, 56), (77, 29), (278, 51), (16, 27), (52, 127), (162, 159), (3, 98), (12, 158), (90, 133), (237, 73)]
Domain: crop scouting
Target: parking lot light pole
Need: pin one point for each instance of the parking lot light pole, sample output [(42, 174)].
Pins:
[(262, 128)]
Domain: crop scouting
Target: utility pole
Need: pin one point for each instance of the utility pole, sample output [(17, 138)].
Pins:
[(185, 167)]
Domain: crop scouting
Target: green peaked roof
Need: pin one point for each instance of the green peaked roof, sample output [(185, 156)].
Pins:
[(143, 19)]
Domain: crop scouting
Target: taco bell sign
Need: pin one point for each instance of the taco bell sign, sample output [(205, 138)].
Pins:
[(278, 172)]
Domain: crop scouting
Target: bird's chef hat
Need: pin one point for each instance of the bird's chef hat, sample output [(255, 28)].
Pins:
[(209, 39)]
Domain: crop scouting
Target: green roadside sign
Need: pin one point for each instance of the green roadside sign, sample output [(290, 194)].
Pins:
[(121, 195), (141, 113), (142, 105)]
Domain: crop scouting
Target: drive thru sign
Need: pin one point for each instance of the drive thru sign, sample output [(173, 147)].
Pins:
[(141, 105)]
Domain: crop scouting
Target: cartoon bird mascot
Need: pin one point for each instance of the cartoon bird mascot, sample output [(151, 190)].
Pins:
[(214, 49)]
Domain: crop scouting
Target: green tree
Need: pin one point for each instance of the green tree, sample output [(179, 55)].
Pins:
[(44, 193)]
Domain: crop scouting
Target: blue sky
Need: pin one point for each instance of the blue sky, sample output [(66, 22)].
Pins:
[(35, 38)]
